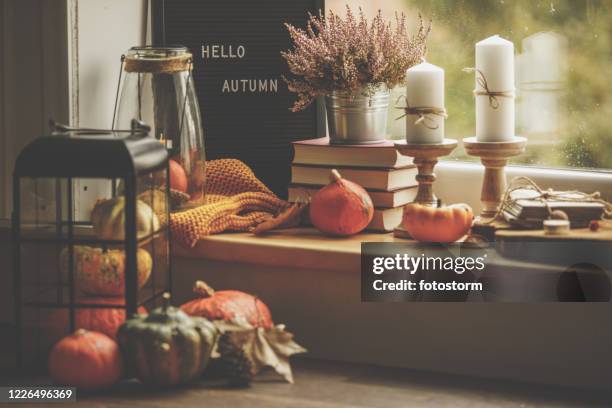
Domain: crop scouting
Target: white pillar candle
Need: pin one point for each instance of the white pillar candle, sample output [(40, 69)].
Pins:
[(425, 89), (495, 60)]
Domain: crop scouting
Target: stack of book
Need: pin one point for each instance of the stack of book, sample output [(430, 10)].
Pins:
[(527, 209), (388, 176)]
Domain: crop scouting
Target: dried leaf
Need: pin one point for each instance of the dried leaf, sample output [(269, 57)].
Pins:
[(290, 217), (274, 347), (237, 324), (266, 347)]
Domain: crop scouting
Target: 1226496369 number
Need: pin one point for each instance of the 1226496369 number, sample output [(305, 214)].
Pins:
[(37, 394)]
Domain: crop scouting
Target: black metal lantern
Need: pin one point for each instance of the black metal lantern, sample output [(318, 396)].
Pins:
[(77, 267)]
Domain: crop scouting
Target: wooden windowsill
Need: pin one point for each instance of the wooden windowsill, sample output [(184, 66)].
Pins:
[(296, 247), (303, 248), (306, 248)]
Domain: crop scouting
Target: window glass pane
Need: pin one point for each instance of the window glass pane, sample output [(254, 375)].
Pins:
[(563, 71)]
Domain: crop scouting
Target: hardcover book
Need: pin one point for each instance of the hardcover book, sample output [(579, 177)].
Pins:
[(380, 199), (526, 210), (386, 219), (375, 179), (321, 152)]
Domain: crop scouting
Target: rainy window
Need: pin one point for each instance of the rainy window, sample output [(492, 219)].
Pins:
[(562, 66)]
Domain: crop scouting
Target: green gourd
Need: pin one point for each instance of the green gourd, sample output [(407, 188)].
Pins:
[(167, 347)]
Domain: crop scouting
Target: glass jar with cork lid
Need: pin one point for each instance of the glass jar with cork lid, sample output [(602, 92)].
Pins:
[(156, 86)]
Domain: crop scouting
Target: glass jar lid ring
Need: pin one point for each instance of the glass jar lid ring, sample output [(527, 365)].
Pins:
[(166, 65)]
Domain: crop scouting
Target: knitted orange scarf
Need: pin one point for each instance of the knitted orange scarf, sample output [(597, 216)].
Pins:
[(236, 200)]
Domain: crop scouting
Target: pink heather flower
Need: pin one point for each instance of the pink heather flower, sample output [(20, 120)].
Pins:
[(351, 54)]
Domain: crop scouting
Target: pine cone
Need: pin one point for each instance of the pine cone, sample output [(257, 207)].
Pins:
[(236, 364)]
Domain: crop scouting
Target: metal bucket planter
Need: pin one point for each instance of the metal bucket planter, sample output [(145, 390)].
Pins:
[(357, 118)]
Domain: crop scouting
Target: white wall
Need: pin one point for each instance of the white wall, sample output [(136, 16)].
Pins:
[(106, 29), (59, 59), (102, 30)]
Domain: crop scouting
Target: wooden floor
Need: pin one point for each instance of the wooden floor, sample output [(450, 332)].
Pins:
[(324, 384)]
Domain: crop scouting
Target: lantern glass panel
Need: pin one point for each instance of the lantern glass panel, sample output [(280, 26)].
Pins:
[(152, 192), (90, 248), (43, 208)]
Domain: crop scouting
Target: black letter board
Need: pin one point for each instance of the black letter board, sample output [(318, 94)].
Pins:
[(245, 104)]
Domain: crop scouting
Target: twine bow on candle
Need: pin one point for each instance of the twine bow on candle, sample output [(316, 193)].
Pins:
[(424, 113), (493, 95)]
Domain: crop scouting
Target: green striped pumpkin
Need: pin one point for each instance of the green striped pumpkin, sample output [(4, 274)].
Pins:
[(167, 347)]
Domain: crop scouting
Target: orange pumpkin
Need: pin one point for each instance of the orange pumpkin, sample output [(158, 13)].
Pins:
[(103, 320), (228, 305), (178, 177), (101, 272), (341, 208), (86, 360), (444, 224)]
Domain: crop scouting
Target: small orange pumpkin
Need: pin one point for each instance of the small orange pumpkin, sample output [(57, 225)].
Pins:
[(86, 360), (228, 305), (341, 208), (178, 177), (444, 224), (104, 320), (101, 272)]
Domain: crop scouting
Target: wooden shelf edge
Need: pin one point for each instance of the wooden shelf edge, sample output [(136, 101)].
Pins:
[(303, 248)]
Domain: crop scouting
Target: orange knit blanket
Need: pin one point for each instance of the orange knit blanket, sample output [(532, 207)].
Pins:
[(236, 200)]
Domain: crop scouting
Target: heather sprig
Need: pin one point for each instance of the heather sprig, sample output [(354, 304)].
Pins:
[(350, 55)]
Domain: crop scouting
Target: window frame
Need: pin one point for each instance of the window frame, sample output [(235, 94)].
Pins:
[(451, 173)]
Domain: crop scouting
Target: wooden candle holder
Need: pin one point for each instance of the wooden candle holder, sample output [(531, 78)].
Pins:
[(426, 158), (494, 157)]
